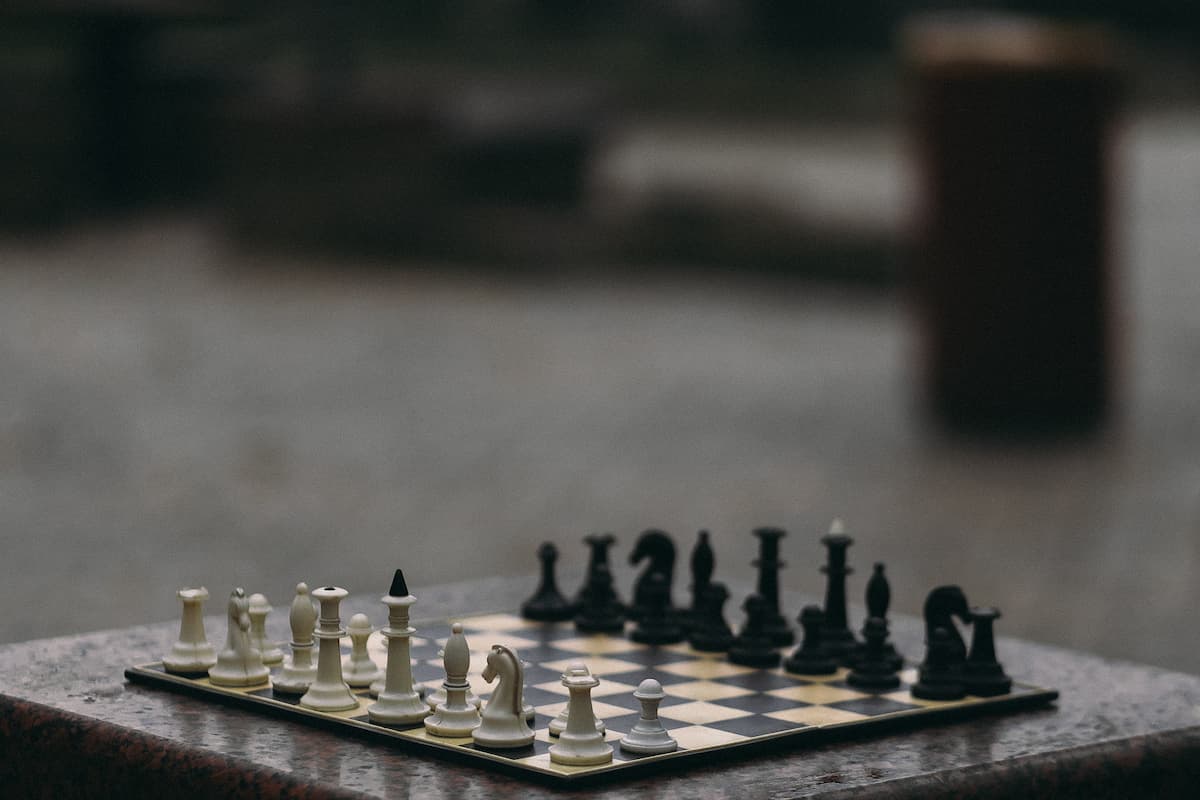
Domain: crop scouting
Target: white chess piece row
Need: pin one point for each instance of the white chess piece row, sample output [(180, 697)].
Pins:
[(453, 711)]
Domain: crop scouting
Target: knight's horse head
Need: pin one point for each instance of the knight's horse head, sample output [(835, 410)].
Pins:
[(656, 546), (943, 603), (503, 661)]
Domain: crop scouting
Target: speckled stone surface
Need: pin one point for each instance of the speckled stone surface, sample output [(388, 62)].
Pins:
[(71, 726)]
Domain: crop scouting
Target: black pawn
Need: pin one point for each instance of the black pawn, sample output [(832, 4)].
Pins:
[(768, 563), (710, 632), (836, 637), (809, 658), (874, 669), (941, 673), (752, 647), (657, 625), (703, 564), (599, 611), (983, 676), (547, 603)]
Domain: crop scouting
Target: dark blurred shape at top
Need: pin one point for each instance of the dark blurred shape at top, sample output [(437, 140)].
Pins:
[(1012, 121)]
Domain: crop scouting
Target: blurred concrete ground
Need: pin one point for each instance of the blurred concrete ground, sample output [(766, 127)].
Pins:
[(174, 412)]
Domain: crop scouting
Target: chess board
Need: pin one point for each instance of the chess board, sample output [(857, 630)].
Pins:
[(711, 705)]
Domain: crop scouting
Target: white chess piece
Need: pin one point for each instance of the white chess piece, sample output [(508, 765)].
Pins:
[(580, 744), (328, 691), (398, 703), (456, 715), (502, 724), (259, 609), (191, 654), (299, 671), (239, 663), (358, 668), (648, 736), (435, 693), (559, 723)]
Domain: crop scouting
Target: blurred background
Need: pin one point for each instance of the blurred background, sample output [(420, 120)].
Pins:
[(310, 291)]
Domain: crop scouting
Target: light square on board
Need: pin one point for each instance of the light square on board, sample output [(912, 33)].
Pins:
[(699, 712), (706, 668), (707, 690), (694, 737), (816, 715), (598, 644), (494, 622), (817, 694), (600, 666)]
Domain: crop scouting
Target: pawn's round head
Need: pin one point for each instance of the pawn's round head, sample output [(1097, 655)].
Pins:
[(360, 622), (577, 668), (258, 602), (456, 628), (301, 588), (650, 686)]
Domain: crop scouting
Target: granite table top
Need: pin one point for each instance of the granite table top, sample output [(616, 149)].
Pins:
[(70, 725)]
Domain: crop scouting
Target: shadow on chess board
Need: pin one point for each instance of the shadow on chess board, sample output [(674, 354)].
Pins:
[(712, 707)]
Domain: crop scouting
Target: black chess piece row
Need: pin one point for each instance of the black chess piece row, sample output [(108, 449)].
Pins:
[(827, 642)]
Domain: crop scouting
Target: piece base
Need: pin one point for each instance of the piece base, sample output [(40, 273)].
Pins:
[(239, 678), (754, 658), (868, 680), (580, 759), (668, 635), (939, 691), (649, 748), (810, 666)]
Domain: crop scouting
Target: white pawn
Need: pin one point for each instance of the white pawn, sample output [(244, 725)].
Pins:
[(358, 668), (239, 664), (455, 716), (580, 744), (328, 691), (299, 671), (648, 735), (259, 609), (191, 654), (559, 723)]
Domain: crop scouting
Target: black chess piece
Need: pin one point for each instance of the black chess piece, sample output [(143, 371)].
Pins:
[(656, 547), (710, 632), (941, 606), (774, 625), (836, 636), (983, 674), (598, 547), (809, 658), (703, 564), (752, 647), (599, 612), (547, 603), (874, 669), (879, 596), (657, 625), (941, 673)]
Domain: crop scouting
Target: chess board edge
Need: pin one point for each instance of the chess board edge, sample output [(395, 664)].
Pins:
[(413, 738), (1030, 697)]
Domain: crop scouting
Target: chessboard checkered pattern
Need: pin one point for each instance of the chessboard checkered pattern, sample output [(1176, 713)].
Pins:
[(710, 703)]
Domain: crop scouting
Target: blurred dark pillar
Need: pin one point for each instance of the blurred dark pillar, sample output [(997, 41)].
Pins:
[(1012, 124)]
